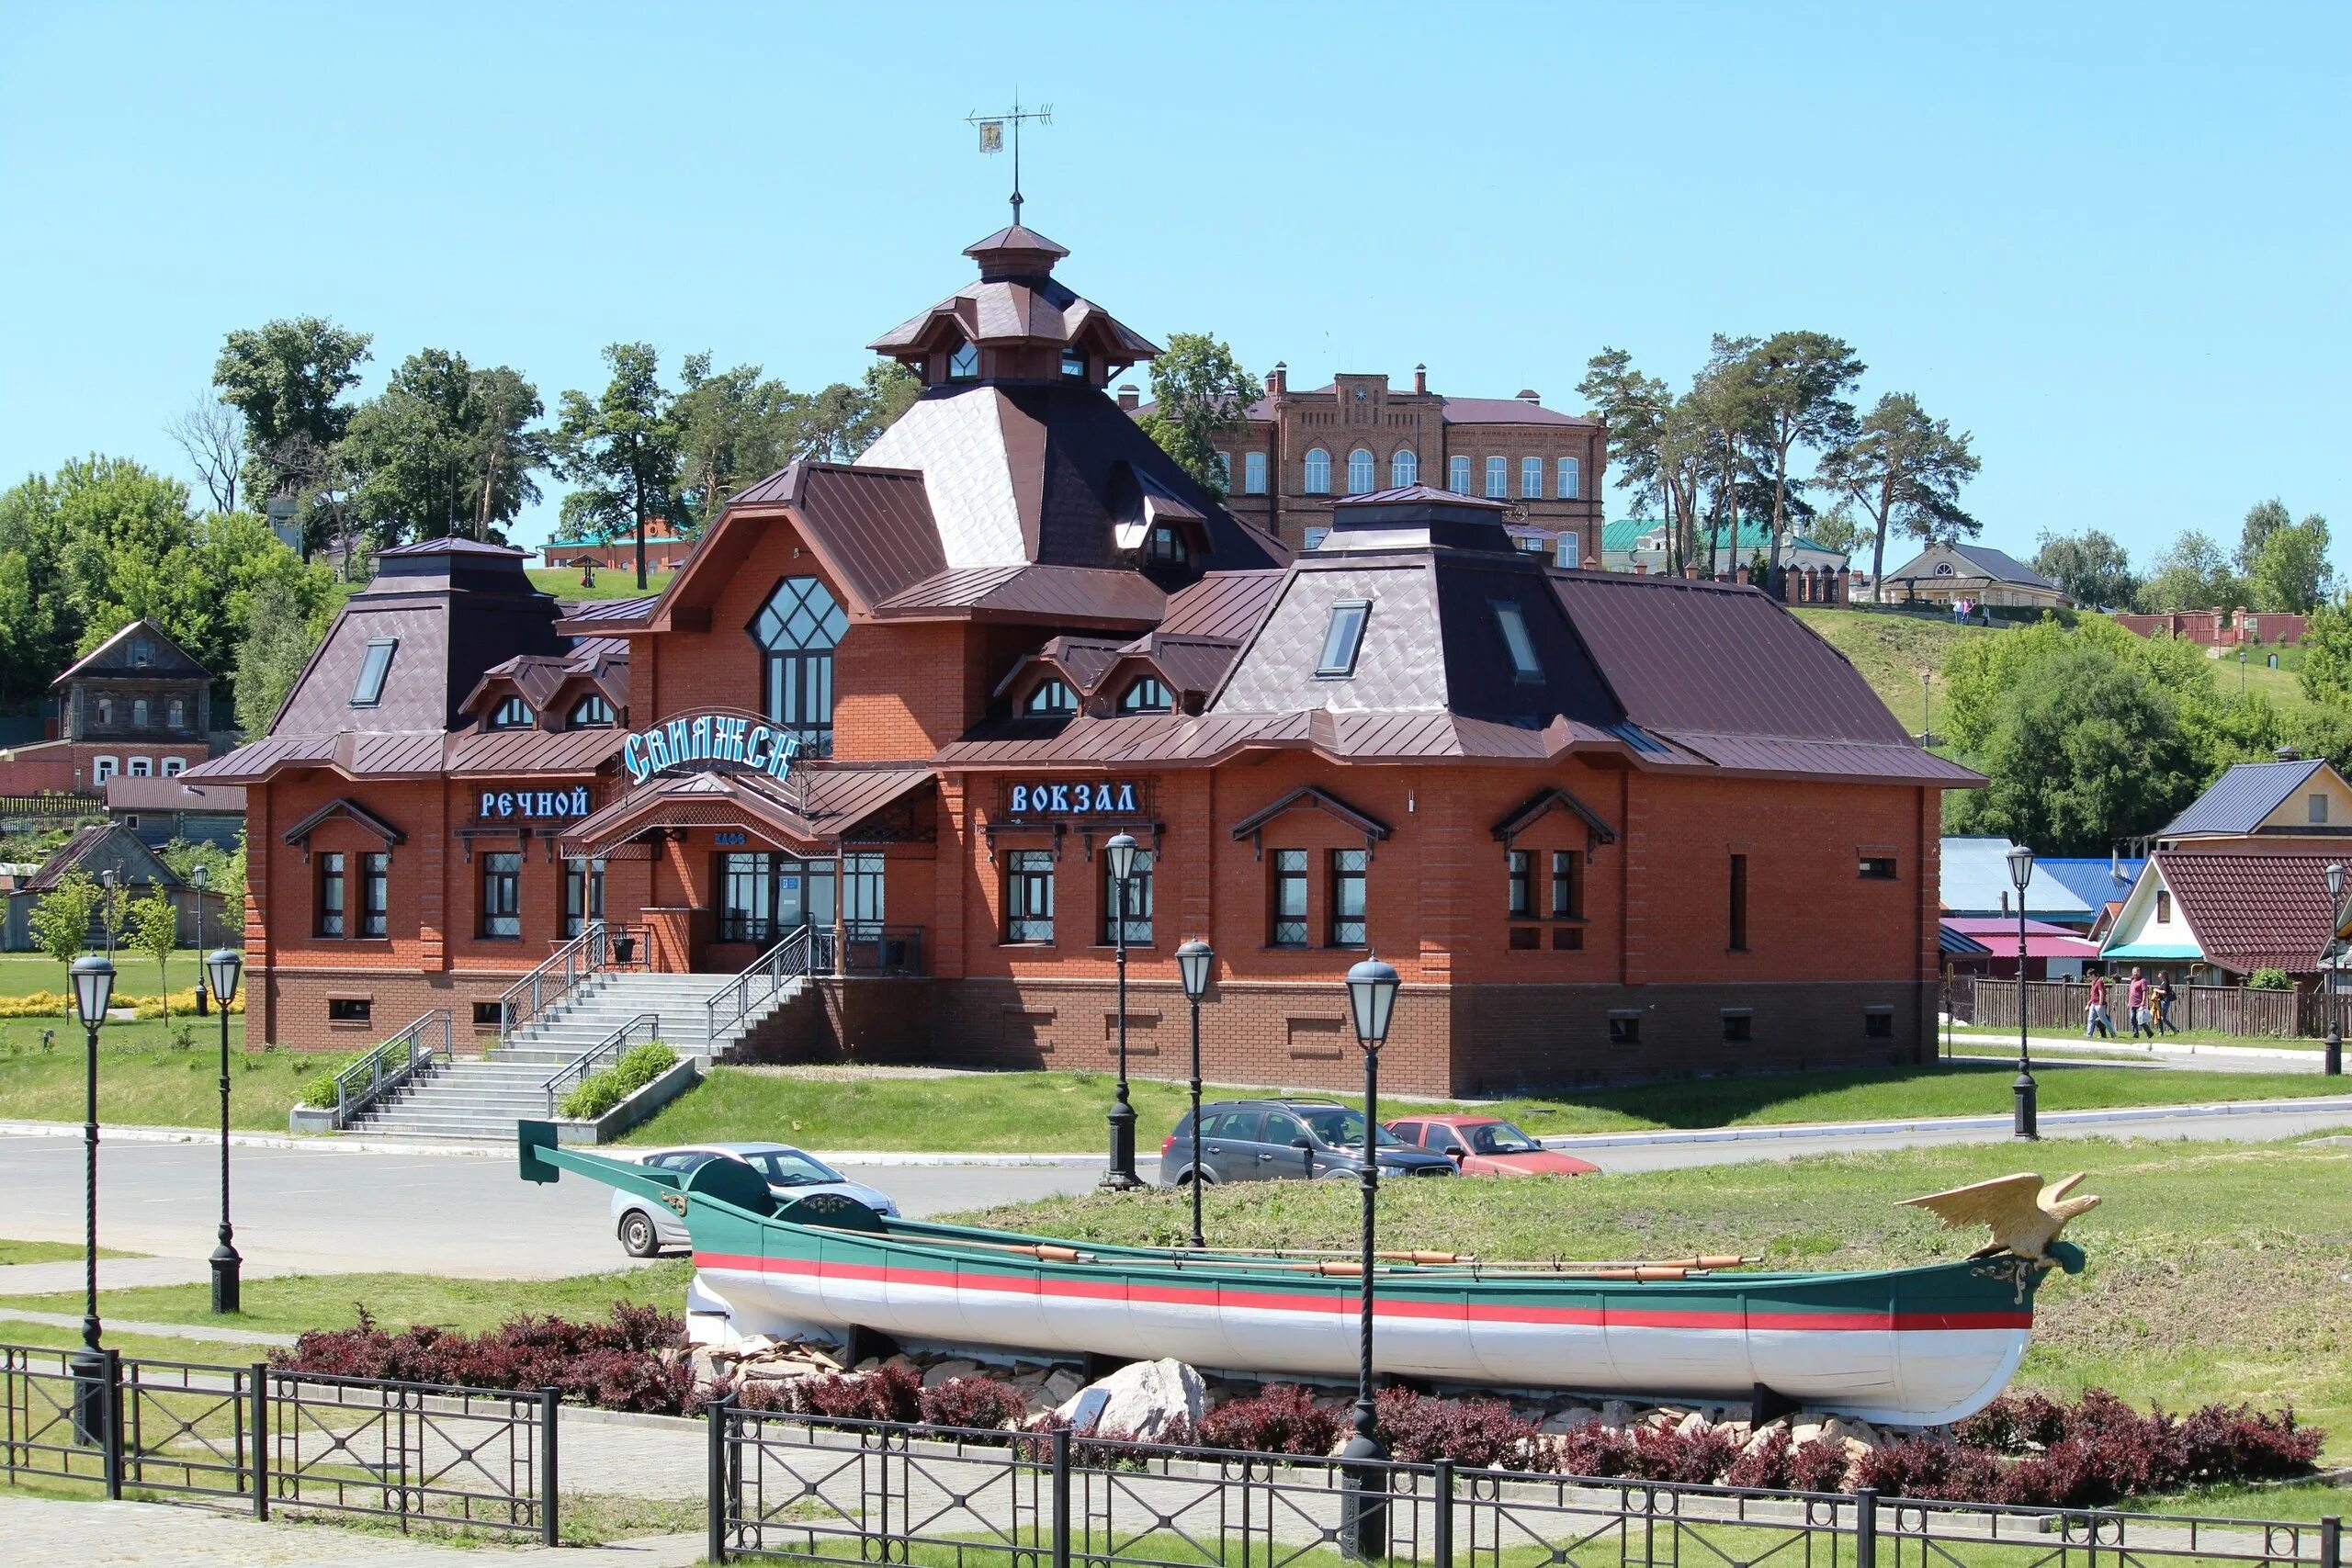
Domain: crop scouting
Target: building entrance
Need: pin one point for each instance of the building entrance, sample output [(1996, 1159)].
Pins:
[(764, 895)]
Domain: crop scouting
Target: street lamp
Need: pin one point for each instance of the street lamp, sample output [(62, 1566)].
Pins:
[(2021, 873), (224, 965), (1119, 857), (2335, 1065), (106, 919), (1363, 1516), (197, 874), (1194, 961), (93, 988)]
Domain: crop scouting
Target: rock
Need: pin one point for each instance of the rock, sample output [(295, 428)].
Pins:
[(1616, 1415), (775, 1371), (1575, 1418), (867, 1365), (753, 1348), (1803, 1432), (707, 1369), (1690, 1426), (944, 1371), (1061, 1384), (905, 1362), (1762, 1436), (1737, 1431), (1144, 1399)]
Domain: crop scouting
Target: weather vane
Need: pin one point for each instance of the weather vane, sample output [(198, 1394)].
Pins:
[(992, 137)]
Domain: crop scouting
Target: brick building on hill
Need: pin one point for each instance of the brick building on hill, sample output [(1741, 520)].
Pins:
[(1605, 825)]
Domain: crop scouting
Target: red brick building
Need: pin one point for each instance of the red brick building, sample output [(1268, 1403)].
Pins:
[(135, 707), (1605, 825), (665, 546)]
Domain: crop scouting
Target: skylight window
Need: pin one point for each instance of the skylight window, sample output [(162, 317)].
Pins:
[(1343, 637), (1523, 662), (369, 689)]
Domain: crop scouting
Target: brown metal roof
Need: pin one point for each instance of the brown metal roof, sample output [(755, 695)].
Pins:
[(874, 527), (589, 614), (1224, 605), (158, 793), (535, 751), (2254, 911), (821, 804), (1509, 411), (1072, 595), (450, 545)]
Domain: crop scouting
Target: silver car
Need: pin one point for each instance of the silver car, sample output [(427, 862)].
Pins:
[(646, 1226)]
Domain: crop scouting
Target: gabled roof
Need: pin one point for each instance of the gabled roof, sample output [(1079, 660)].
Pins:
[(2096, 880), (116, 657), (163, 793), (821, 804), (1975, 881), (1981, 560), (2235, 803), (2252, 910), (98, 845)]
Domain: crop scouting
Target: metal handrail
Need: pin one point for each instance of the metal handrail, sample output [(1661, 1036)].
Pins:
[(556, 978), (788, 959), (828, 957), (580, 1066), (392, 1064)]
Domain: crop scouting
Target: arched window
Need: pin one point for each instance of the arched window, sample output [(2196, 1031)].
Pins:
[(1318, 472), (139, 713), (1167, 545), (1148, 695), (592, 712), (963, 363), (1052, 697), (1457, 475), (511, 714), (1571, 479), (1404, 468), (797, 630), (1358, 471)]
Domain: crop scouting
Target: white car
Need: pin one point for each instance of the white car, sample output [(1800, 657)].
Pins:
[(645, 1227)]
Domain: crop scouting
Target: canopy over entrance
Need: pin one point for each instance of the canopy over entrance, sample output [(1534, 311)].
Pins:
[(818, 809)]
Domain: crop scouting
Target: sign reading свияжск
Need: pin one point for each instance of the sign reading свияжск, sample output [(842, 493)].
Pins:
[(709, 740)]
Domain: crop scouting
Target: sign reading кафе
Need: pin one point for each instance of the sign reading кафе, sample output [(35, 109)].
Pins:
[(706, 740)]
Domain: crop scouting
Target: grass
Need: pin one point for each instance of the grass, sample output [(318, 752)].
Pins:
[(21, 974), (1890, 650), (146, 1078), (14, 1252), (2217, 1272), (564, 582), (1970, 1034), (1058, 1112), (145, 1347)]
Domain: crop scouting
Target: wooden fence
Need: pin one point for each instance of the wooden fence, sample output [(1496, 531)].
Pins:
[(53, 806), (2061, 1006)]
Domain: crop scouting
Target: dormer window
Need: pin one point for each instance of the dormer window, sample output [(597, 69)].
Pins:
[(1052, 698), (377, 663), (1167, 545), (592, 712), (1074, 364), (511, 714), (1512, 623), (963, 362), (1343, 637), (1148, 695)]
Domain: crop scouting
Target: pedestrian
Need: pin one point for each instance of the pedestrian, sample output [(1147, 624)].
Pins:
[(2135, 1002), (2096, 1022), (2164, 1000)]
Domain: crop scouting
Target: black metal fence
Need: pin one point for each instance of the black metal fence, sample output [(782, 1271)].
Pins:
[(264, 1439), (785, 1487)]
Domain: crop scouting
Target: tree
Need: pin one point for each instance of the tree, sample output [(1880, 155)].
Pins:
[(2289, 573), (2327, 654), (505, 451), (278, 641), (1716, 418), (212, 434), (1638, 411), (287, 379), (1838, 528), (1796, 384), (2091, 567), (60, 922), (2192, 574), (734, 427), (619, 448), (2263, 519), (154, 927), (224, 874), (1201, 394), (445, 450), (1905, 470)]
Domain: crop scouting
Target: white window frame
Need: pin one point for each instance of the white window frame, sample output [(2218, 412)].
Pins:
[(1457, 475), (138, 711), (1571, 479), (1498, 478), (104, 768), (1362, 471), (1404, 468), (175, 766), (1253, 473), (141, 768), (1571, 549), (1531, 478), (1314, 476)]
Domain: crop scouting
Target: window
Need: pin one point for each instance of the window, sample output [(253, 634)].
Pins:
[(1878, 868), (1531, 478), (1739, 1025), (1051, 697), (963, 363), (142, 652), (2318, 803), (1167, 545), (1148, 695), (142, 767), (592, 712), (329, 910), (1512, 623), (1571, 550), (797, 629), (139, 713), (1253, 473), (176, 714), (1739, 903), (1343, 636), (1457, 475), (1358, 471), (1029, 895), (511, 714), (1878, 1023), (1074, 363), (1522, 893), (1567, 938), (349, 1009), (2163, 907), (1625, 1029), (374, 665), (1571, 479), (103, 768), (1568, 892), (502, 895), (1318, 472), (175, 766), (106, 711), (1138, 907), (583, 895), (1314, 537), (1404, 468), (1287, 905), (489, 1015), (374, 894), (1498, 477), (1222, 463), (1347, 897)]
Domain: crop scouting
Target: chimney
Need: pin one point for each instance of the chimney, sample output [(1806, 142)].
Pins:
[(1129, 399), (1278, 382), (1529, 395), (1689, 572), (2005, 901), (1421, 380), (1641, 569)]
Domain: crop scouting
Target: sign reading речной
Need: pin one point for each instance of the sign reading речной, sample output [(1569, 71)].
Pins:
[(497, 804), (709, 740)]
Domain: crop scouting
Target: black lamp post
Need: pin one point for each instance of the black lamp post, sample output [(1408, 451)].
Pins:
[(225, 965), (1363, 1511), (1194, 961), (2021, 873), (2335, 1064), (1119, 857), (93, 988), (197, 874)]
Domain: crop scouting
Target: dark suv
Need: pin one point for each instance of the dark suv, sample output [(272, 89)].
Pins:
[(1276, 1140)]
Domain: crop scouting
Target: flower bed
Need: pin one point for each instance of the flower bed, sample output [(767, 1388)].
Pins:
[(600, 1091)]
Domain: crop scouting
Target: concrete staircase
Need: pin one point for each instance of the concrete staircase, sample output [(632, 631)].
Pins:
[(483, 1097)]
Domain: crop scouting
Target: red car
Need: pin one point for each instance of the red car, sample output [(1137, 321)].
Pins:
[(1486, 1145)]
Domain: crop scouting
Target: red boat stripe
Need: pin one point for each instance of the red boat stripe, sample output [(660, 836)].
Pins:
[(1388, 1307)]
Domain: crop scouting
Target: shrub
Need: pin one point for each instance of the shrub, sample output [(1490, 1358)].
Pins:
[(979, 1404), (1593, 1450), (1282, 1419), (1819, 1465), (319, 1092), (37, 1004), (2013, 1424), (1765, 1467), (892, 1391), (600, 1091), (617, 1364), (1486, 1433), (2267, 980), (1918, 1468), (2224, 1443)]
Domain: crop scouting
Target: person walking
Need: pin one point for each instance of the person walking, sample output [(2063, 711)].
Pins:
[(2163, 1000), (2135, 1002), (2096, 1023)]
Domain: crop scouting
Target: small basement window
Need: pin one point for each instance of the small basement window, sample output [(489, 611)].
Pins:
[(1525, 939), (488, 1015), (1738, 1025), (1878, 868), (377, 663), (1567, 938), (1513, 622), (1343, 637), (350, 1009), (1878, 1023), (1625, 1029)]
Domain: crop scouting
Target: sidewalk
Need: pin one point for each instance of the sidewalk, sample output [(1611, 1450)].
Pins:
[(46, 1533), (2118, 1116), (2261, 1058)]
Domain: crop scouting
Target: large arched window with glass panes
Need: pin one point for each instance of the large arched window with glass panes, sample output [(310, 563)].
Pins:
[(1359, 472), (797, 630), (1404, 468)]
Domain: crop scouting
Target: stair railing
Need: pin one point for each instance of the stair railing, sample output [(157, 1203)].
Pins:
[(767, 975), (566, 967), (612, 1045), (392, 1064)]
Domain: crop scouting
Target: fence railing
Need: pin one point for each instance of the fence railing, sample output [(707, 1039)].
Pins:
[(260, 1439), (762, 978), (411, 1051), (53, 805), (867, 947), (2062, 1005), (645, 1025), (597, 948)]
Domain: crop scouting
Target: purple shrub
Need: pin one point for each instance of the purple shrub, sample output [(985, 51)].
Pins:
[(1918, 1468), (2014, 1424), (1282, 1419), (1819, 1465), (1483, 1433), (1594, 1450), (1765, 1467), (981, 1404), (2220, 1442), (1661, 1453)]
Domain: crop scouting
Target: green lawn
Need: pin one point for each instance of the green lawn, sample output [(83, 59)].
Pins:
[(1063, 1112), (1890, 650), (2217, 1272), (21, 974), (49, 1252), (564, 582), (1966, 1035), (146, 1078)]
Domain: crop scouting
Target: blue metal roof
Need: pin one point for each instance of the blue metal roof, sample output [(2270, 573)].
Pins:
[(1975, 880), (2242, 797), (2093, 879)]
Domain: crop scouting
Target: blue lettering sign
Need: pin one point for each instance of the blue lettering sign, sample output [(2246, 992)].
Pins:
[(708, 741)]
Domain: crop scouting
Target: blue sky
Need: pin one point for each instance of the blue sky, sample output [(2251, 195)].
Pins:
[(2109, 241)]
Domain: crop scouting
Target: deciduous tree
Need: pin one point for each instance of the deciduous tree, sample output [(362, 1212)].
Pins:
[(620, 448), (152, 927), (212, 434), (734, 427), (1905, 470), (1201, 394), (2091, 567), (1638, 411), (2192, 574), (287, 379), (2263, 519), (2290, 574), (60, 921), (2326, 673)]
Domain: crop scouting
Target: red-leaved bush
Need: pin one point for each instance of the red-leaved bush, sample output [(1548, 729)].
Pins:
[(1486, 1433), (983, 1404), (1281, 1418), (615, 1363)]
